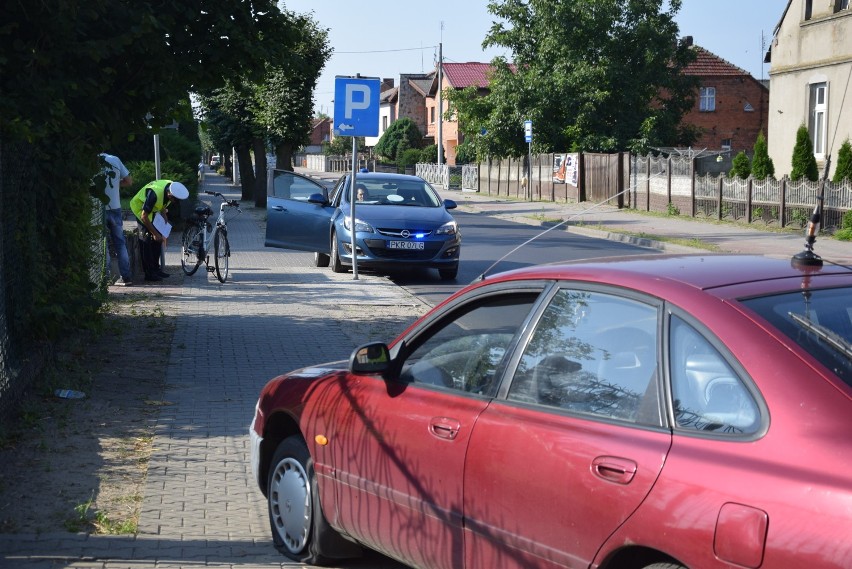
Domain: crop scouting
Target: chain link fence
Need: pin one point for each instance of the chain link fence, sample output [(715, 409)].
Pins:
[(21, 215)]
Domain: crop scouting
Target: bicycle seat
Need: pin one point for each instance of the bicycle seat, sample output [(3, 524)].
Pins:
[(203, 211)]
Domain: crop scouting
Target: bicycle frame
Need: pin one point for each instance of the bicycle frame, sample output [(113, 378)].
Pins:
[(200, 237)]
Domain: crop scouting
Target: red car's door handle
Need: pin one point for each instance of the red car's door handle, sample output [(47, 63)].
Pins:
[(614, 469), (444, 427)]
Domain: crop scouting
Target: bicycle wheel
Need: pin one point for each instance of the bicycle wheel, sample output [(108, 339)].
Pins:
[(223, 251), (190, 245)]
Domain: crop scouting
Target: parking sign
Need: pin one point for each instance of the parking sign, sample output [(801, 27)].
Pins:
[(356, 106), (527, 131)]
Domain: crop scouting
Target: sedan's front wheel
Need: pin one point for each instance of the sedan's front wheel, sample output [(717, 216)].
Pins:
[(336, 264), (299, 528)]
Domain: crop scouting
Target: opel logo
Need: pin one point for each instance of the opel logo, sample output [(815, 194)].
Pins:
[(406, 233)]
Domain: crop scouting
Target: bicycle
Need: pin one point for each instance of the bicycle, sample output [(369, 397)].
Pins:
[(200, 233)]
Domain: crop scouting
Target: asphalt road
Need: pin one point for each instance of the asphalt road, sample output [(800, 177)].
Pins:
[(486, 240)]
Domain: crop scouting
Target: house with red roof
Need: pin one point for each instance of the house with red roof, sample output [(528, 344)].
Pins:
[(731, 107), (455, 76)]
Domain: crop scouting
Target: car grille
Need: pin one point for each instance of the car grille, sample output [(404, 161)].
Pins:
[(397, 233)]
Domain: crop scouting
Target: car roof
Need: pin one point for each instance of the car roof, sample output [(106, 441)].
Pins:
[(385, 176), (723, 275)]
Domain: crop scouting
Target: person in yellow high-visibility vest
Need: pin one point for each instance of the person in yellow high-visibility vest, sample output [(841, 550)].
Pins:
[(152, 200)]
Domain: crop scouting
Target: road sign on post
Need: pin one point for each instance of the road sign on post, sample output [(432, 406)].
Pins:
[(528, 140), (356, 106), (356, 113), (527, 131)]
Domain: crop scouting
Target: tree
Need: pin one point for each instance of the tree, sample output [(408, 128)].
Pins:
[(595, 75), (401, 132), (88, 75), (741, 167), (804, 161), (342, 146), (843, 170), (761, 164)]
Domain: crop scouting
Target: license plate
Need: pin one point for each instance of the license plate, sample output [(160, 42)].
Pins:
[(406, 245)]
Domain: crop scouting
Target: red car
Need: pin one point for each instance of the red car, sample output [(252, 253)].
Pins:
[(652, 412)]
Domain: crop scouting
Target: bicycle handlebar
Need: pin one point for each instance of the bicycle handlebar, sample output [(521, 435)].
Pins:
[(232, 203)]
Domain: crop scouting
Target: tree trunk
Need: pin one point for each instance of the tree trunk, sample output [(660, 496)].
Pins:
[(284, 157), (259, 172), (246, 171)]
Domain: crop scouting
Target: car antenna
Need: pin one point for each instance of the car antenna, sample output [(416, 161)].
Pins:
[(808, 258), (560, 224)]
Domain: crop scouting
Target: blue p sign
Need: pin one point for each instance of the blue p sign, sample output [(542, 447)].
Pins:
[(356, 106)]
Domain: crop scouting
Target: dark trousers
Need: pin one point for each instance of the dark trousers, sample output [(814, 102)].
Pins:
[(150, 250)]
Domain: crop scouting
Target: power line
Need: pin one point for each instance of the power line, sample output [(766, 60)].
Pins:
[(388, 50)]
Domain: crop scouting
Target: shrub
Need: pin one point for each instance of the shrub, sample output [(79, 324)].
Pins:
[(408, 157), (465, 153), (761, 165), (843, 170), (804, 161), (429, 155), (742, 166), (401, 130)]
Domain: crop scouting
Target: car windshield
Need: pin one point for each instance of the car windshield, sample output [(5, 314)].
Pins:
[(416, 193), (820, 321)]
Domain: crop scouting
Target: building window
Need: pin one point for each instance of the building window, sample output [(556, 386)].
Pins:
[(726, 144), (809, 9), (384, 123), (748, 108), (707, 99), (818, 106), (841, 5), (432, 115)]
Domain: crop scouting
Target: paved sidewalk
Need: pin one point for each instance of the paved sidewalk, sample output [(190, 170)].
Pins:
[(608, 222), (275, 313)]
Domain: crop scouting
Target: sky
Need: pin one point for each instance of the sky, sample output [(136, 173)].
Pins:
[(384, 38)]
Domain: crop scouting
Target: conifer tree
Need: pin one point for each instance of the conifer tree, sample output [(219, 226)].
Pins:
[(741, 166), (804, 161), (761, 165), (844, 163)]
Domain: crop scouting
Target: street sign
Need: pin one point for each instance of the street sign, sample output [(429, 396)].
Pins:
[(356, 106), (527, 131)]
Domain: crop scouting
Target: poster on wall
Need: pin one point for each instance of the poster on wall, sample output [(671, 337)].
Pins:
[(565, 168)]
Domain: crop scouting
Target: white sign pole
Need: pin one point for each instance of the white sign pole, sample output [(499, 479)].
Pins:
[(352, 208)]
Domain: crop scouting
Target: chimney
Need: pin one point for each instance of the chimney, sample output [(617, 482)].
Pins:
[(687, 41)]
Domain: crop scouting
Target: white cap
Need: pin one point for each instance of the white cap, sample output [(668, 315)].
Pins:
[(178, 190)]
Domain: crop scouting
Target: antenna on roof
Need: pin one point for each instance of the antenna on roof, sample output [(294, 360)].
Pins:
[(808, 258)]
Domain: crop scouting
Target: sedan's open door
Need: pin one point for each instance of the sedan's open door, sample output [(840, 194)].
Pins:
[(298, 214)]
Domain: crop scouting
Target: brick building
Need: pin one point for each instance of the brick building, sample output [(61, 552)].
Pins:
[(731, 106)]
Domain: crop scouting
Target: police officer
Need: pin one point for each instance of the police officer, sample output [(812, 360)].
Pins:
[(150, 201)]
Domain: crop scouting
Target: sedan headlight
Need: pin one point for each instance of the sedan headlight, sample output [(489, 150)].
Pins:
[(449, 228), (361, 226)]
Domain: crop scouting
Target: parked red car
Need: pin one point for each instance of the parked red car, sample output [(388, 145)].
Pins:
[(651, 412)]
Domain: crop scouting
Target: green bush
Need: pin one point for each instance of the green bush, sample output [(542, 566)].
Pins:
[(401, 134), (741, 166), (429, 155), (465, 153), (408, 157)]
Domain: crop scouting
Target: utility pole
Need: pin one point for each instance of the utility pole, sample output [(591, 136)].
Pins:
[(440, 104)]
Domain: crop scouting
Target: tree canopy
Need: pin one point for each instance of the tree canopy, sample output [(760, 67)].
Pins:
[(593, 75)]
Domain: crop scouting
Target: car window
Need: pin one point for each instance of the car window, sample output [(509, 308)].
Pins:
[(819, 321), (293, 187), (465, 350), (592, 353), (707, 394), (415, 193)]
